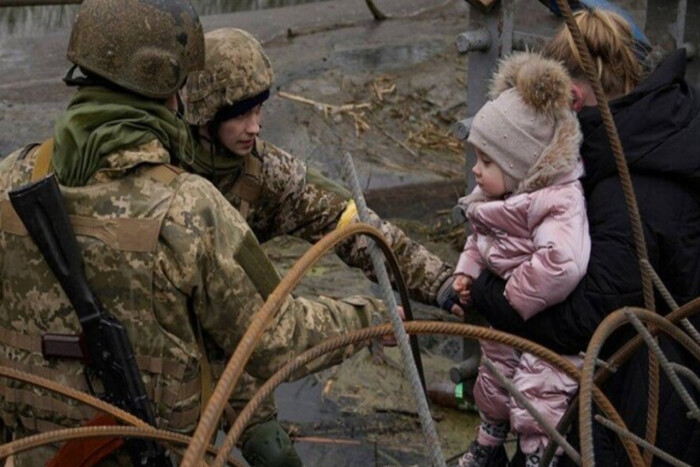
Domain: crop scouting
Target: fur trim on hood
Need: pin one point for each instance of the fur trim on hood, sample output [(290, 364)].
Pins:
[(544, 85)]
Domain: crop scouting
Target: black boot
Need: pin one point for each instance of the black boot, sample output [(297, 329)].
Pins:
[(484, 456)]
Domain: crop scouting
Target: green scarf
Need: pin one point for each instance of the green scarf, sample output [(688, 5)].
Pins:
[(206, 164), (100, 121)]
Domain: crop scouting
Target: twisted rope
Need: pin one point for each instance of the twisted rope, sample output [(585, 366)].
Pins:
[(606, 328), (632, 208), (236, 364), (420, 327), (411, 360)]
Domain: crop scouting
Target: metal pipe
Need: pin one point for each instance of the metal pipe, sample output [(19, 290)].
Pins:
[(471, 41), (462, 127)]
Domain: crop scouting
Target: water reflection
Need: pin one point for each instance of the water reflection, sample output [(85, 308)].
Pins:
[(33, 21)]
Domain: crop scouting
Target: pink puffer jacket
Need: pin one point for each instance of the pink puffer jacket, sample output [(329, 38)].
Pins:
[(537, 239)]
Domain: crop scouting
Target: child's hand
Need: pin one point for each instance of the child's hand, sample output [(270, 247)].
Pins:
[(463, 287)]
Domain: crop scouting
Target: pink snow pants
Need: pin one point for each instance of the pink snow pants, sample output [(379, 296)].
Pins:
[(547, 388)]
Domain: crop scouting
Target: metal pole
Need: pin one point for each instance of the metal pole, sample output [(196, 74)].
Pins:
[(497, 26)]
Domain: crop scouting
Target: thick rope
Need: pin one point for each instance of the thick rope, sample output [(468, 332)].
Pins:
[(688, 373), (623, 354), (411, 361), (420, 327), (665, 365), (606, 328), (668, 298), (632, 208), (291, 281), (622, 433), (236, 364), (59, 436)]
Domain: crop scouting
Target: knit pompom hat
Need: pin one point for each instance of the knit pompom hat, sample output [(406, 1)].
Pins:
[(530, 96)]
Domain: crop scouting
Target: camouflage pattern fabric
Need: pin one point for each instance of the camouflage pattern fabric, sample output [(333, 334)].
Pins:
[(153, 58), (295, 201), (190, 274), (236, 68)]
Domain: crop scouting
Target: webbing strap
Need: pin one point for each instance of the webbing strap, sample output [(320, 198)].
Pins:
[(164, 173), (38, 401), (121, 233), (32, 343)]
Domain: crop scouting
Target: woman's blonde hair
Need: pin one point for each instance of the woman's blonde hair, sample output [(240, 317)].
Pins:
[(611, 42)]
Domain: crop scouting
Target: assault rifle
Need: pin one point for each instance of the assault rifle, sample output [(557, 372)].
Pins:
[(105, 346)]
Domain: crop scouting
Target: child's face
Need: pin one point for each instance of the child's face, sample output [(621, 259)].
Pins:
[(488, 175)]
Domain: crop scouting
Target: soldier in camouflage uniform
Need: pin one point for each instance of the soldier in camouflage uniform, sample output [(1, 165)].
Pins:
[(163, 249), (276, 192)]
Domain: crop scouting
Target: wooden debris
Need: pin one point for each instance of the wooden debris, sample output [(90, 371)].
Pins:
[(356, 111)]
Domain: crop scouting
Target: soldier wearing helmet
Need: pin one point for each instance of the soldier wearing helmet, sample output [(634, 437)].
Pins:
[(276, 192), (163, 250)]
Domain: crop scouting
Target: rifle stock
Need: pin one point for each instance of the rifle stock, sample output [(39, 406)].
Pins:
[(109, 352)]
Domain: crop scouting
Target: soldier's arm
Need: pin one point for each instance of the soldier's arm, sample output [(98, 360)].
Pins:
[(220, 266), (309, 205)]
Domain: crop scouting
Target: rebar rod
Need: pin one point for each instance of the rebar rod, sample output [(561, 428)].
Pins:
[(665, 365), (622, 433), (522, 400)]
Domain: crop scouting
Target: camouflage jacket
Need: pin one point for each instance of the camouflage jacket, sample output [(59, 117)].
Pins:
[(299, 201), (161, 255)]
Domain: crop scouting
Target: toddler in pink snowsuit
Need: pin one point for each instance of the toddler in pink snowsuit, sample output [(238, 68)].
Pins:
[(528, 222)]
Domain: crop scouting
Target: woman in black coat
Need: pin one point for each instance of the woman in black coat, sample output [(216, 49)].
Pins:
[(658, 120)]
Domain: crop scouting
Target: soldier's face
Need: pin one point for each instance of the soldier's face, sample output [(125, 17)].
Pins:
[(238, 134)]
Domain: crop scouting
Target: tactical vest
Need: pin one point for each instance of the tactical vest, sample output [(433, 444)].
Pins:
[(117, 225)]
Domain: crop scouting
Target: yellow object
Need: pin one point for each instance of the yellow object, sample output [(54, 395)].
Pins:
[(348, 215), (42, 166)]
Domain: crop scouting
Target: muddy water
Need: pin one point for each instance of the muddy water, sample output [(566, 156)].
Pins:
[(32, 21)]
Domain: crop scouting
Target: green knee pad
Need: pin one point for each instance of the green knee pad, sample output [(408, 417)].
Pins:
[(268, 445)]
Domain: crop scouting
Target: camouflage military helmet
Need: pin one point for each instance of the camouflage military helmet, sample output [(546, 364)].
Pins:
[(146, 46), (236, 69)]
